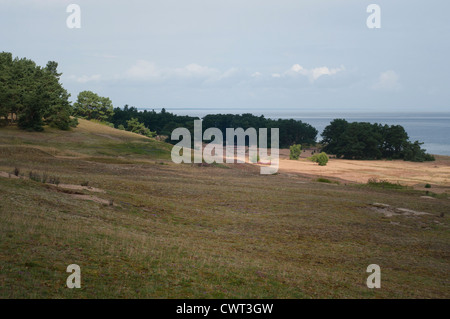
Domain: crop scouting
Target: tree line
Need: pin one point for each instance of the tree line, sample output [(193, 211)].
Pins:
[(361, 140), (290, 131), (32, 95), (163, 123)]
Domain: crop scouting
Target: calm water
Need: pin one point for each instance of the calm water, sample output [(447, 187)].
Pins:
[(431, 128)]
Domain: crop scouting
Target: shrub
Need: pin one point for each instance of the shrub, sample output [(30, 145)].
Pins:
[(54, 180), (295, 151), (85, 183), (16, 172), (427, 186), (121, 127), (325, 180), (35, 176), (135, 126), (73, 122), (321, 159), (384, 184)]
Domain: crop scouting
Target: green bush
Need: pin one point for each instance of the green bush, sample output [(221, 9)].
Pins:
[(325, 180), (135, 126), (384, 184), (321, 159), (73, 122), (295, 151), (427, 186), (54, 180), (35, 177)]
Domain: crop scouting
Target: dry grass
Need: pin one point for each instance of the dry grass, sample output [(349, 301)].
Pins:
[(416, 175), (188, 231)]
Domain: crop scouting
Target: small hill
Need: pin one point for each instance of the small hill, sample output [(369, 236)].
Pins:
[(87, 139), (140, 226)]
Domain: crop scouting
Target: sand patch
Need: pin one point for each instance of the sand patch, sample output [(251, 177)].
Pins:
[(63, 186), (427, 197), (389, 211), (398, 171), (8, 175), (92, 198), (79, 187)]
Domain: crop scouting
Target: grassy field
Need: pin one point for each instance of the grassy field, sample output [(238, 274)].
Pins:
[(143, 227)]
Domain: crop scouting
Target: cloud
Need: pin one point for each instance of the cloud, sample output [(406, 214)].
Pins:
[(312, 74), (103, 56), (145, 70), (229, 73), (85, 78), (193, 73), (387, 81), (37, 3), (194, 70)]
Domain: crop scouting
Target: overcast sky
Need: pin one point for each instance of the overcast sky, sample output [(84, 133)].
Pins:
[(244, 55)]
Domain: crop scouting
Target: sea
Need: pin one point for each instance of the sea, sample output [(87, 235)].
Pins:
[(433, 129)]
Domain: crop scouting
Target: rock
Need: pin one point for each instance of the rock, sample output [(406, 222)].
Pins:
[(406, 211), (380, 205)]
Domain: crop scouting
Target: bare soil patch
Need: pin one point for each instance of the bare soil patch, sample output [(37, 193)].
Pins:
[(412, 174)]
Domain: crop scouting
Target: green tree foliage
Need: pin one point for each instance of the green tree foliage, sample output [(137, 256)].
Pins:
[(135, 126), (295, 151), (291, 131), (91, 106), (414, 153), (32, 94), (163, 123), (58, 109), (7, 95), (361, 140), (321, 158)]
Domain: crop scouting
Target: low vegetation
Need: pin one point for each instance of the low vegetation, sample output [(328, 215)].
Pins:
[(374, 182), (295, 152), (134, 126), (326, 180), (144, 227), (321, 159), (194, 231)]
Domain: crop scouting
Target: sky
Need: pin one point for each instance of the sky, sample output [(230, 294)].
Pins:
[(242, 55)]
